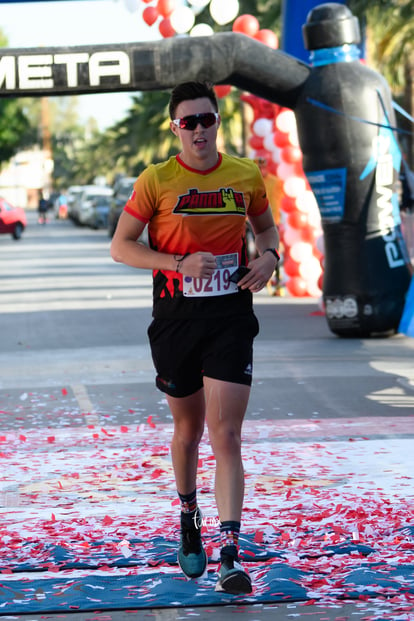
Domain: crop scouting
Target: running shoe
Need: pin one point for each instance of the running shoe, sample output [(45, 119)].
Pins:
[(191, 555), (233, 578)]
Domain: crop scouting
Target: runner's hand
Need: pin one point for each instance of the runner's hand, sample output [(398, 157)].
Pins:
[(198, 265), (261, 270)]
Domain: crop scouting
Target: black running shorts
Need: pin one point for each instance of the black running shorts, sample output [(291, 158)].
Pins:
[(186, 350)]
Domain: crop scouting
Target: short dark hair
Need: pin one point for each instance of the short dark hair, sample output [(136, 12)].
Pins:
[(191, 90)]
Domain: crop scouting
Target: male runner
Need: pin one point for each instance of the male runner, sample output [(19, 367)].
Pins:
[(196, 205)]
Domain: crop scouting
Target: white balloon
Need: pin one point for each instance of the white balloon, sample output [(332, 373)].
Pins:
[(320, 243), (293, 186), (286, 121), (301, 251), (224, 11), (310, 269), (268, 141), (262, 127), (306, 202), (313, 289), (199, 4), (182, 19), (285, 171), (291, 236), (314, 218), (201, 30), (276, 155), (293, 136)]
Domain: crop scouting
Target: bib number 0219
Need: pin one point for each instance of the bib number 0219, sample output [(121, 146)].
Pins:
[(218, 283)]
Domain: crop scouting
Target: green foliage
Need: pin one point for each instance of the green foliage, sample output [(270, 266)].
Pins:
[(390, 41), (390, 32), (13, 124)]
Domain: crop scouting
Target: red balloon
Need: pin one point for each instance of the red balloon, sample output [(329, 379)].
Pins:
[(256, 142), (246, 24), (147, 1), (320, 282), (267, 37), (261, 107), (298, 168), (271, 167), (165, 28), (222, 90), (290, 267), (297, 287), (307, 233), (291, 154), (165, 8), (261, 154), (297, 220), (288, 204), (281, 139), (150, 15)]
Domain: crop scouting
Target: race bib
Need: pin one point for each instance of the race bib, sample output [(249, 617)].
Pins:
[(218, 283)]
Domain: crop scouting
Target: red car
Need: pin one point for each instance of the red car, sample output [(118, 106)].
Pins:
[(12, 219)]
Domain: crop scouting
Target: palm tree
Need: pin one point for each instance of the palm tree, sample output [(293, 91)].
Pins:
[(390, 46)]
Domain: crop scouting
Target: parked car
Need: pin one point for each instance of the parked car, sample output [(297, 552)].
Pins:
[(12, 219), (93, 206), (73, 194), (122, 191)]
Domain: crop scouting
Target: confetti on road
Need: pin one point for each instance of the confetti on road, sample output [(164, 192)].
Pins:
[(323, 521)]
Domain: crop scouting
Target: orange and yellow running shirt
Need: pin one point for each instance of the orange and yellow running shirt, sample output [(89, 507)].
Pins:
[(187, 211)]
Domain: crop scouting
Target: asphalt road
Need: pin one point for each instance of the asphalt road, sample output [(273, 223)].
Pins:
[(71, 316)]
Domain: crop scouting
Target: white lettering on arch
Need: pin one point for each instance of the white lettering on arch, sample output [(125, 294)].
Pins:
[(109, 64), (35, 71)]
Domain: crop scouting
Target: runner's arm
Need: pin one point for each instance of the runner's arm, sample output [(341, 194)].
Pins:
[(125, 248)]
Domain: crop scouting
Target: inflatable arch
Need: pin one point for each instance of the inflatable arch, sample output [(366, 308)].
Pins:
[(345, 124)]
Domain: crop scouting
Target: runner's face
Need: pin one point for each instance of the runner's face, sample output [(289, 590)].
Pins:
[(199, 148)]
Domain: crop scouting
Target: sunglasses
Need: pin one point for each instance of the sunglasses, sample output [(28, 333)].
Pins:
[(206, 119)]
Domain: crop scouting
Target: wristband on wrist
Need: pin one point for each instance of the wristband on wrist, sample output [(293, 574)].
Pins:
[(179, 260), (274, 253)]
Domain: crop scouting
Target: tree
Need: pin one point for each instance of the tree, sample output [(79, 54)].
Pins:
[(13, 122), (13, 125), (390, 46)]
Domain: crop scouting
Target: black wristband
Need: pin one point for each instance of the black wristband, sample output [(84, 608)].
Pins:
[(274, 253), (179, 261)]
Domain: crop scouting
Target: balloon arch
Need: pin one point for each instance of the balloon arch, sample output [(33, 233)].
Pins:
[(273, 139)]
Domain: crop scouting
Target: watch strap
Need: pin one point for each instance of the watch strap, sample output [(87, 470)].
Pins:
[(274, 253)]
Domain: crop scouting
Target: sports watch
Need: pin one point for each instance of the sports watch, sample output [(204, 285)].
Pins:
[(274, 253)]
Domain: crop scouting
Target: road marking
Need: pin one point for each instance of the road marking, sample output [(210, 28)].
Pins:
[(85, 404)]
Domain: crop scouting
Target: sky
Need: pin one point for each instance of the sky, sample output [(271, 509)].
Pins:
[(79, 22)]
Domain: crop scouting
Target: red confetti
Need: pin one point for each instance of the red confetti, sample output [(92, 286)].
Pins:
[(156, 473), (107, 521), (258, 536)]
